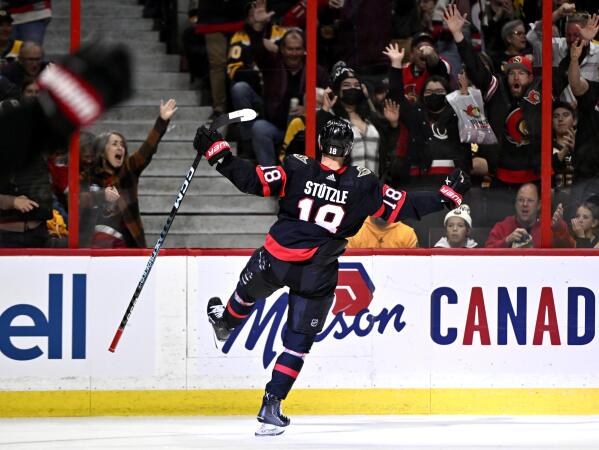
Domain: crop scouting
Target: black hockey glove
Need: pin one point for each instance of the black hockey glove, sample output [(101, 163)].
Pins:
[(76, 90), (456, 185), (211, 144)]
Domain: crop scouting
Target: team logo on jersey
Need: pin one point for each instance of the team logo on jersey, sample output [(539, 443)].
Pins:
[(473, 111), (438, 133), (515, 128), (302, 158), (533, 97), (331, 177), (363, 171)]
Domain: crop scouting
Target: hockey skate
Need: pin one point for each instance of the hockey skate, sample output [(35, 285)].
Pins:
[(215, 317), (270, 416)]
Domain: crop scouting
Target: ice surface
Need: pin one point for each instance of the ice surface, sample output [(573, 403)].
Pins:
[(305, 432)]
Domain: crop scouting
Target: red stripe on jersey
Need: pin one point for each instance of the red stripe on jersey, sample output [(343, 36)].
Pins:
[(284, 175), (380, 212), (265, 186), (516, 176), (234, 314), (286, 370), (287, 254)]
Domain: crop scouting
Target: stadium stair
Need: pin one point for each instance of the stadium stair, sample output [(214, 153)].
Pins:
[(214, 213)]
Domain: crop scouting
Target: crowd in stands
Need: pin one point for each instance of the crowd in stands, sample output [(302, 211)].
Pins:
[(427, 86)]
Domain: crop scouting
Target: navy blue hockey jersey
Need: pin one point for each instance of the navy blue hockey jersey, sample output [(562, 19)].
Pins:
[(318, 205)]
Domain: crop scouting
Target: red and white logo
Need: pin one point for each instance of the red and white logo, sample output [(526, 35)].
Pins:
[(354, 290), (216, 148), (451, 194)]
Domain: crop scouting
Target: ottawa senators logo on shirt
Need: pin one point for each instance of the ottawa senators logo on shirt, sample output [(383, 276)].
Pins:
[(473, 111), (515, 128), (439, 133), (533, 97)]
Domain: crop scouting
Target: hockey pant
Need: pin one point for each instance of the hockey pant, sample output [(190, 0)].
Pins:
[(311, 294)]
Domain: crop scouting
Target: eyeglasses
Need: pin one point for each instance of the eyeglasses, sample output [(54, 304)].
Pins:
[(518, 33)]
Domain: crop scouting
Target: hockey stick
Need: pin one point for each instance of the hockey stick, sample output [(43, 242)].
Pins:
[(242, 115)]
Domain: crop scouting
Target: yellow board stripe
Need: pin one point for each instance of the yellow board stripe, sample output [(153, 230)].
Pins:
[(301, 401)]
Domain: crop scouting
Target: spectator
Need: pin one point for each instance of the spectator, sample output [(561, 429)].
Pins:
[(30, 88), (378, 233), (374, 138), (114, 183), (284, 79), (585, 225), (513, 35), (214, 21), (424, 62), (25, 201), (244, 74), (524, 228), (564, 141), (434, 147), (28, 64), (496, 14), (31, 18), (585, 158), (577, 28), (458, 225), (513, 106), (9, 47)]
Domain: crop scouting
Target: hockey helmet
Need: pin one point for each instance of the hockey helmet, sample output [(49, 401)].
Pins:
[(336, 138)]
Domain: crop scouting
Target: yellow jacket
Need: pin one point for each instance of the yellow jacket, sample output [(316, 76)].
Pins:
[(395, 235)]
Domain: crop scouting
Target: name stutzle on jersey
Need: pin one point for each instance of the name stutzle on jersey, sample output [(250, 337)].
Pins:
[(318, 205), (319, 190)]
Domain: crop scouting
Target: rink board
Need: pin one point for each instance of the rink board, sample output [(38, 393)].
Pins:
[(426, 334)]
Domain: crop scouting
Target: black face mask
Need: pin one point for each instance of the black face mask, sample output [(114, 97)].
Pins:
[(352, 96), (434, 102)]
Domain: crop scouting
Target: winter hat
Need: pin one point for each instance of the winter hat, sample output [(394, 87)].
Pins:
[(462, 211), (340, 72)]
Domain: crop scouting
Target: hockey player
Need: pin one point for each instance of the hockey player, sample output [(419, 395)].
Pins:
[(321, 203)]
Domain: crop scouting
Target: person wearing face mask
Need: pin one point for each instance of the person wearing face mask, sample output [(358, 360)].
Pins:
[(434, 148), (374, 136), (113, 185)]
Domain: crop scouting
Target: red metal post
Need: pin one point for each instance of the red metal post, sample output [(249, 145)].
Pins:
[(74, 144), (310, 103), (546, 127)]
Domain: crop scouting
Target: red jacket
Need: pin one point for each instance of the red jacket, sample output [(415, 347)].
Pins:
[(501, 230)]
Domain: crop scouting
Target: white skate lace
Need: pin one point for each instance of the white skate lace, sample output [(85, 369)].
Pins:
[(217, 311)]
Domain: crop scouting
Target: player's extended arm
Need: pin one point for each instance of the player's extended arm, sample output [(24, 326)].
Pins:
[(257, 180), (397, 205)]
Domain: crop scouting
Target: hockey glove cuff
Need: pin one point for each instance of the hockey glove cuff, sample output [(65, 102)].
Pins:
[(456, 185)]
